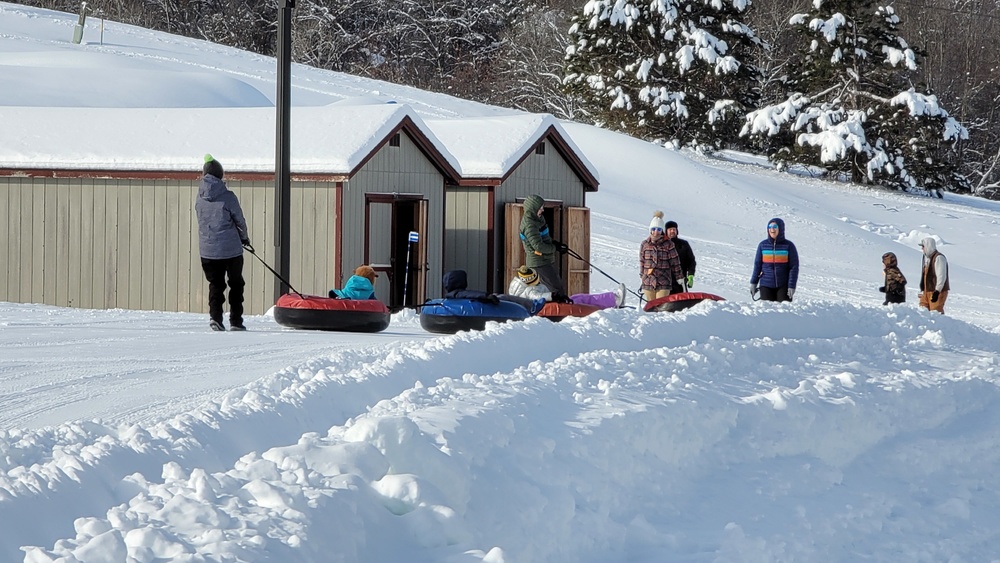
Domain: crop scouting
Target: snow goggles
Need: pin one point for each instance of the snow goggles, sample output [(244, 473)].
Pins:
[(772, 226), (656, 230)]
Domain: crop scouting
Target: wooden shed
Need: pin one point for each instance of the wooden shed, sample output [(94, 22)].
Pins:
[(98, 203), (502, 160)]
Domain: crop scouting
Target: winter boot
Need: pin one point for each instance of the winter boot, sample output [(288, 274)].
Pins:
[(620, 296), (536, 306), (216, 325), (238, 327)]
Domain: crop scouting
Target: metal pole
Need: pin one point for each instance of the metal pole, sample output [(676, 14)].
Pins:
[(282, 169), (413, 237)]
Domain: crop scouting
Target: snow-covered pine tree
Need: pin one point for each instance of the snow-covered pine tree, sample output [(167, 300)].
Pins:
[(851, 107), (669, 70)]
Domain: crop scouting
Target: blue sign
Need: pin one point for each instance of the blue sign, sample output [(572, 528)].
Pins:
[(414, 236)]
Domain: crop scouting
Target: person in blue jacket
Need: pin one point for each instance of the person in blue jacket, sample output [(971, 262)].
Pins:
[(359, 286), (776, 266)]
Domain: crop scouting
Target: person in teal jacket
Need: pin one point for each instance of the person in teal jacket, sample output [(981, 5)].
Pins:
[(359, 286)]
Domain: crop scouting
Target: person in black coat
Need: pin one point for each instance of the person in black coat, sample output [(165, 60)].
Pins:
[(688, 263)]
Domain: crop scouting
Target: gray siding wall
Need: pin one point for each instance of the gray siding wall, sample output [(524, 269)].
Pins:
[(548, 175), (404, 170), (134, 244), (313, 260), (466, 223)]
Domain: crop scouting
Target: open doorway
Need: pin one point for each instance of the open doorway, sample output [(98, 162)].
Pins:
[(399, 261)]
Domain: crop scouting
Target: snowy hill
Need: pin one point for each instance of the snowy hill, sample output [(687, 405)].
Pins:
[(828, 429)]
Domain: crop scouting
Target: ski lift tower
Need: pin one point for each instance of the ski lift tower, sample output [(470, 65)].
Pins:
[(282, 169)]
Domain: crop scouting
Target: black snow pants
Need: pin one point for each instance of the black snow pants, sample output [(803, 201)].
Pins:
[(774, 294), (216, 271)]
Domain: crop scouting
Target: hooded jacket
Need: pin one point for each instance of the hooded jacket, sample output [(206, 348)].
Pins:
[(357, 287), (221, 226), (933, 268), (535, 235), (777, 261), (895, 281), (456, 283)]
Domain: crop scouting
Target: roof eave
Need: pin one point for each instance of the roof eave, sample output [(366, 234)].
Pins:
[(99, 174)]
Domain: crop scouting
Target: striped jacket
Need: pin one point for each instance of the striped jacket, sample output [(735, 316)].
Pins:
[(777, 261)]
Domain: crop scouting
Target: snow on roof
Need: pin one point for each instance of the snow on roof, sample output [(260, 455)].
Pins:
[(115, 102), (332, 139), (490, 147)]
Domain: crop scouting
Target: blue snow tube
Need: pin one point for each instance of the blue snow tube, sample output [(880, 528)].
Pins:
[(448, 316)]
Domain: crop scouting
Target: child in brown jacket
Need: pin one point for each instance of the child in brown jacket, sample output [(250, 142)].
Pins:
[(894, 286)]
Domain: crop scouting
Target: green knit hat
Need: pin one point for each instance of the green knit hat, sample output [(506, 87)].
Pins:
[(212, 166)]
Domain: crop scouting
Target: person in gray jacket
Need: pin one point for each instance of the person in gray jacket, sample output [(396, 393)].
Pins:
[(222, 234)]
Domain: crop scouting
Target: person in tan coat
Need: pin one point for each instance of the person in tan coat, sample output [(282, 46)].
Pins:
[(935, 283)]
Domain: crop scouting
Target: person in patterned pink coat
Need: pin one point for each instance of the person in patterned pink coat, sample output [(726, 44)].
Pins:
[(659, 263)]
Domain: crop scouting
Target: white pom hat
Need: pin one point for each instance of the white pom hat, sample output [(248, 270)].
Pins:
[(657, 222)]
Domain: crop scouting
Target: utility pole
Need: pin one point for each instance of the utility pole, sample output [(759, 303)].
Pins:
[(282, 154)]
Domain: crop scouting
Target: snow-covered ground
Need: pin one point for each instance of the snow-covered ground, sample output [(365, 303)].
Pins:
[(828, 429)]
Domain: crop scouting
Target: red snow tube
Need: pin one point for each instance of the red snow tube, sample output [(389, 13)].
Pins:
[(679, 301), (559, 311), (322, 313)]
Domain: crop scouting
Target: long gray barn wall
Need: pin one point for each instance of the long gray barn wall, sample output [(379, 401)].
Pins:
[(98, 243)]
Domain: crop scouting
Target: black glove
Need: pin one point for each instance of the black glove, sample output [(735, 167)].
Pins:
[(563, 248), (246, 244), (934, 296), (492, 299), (921, 285), (881, 289), (560, 297)]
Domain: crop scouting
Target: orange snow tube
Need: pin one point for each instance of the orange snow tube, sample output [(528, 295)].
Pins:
[(679, 301), (323, 313), (559, 311)]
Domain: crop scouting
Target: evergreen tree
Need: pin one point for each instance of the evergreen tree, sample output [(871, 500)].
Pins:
[(851, 107), (672, 70)]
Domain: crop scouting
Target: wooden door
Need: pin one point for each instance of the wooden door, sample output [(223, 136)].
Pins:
[(378, 251), (513, 250), (576, 234), (422, 267)]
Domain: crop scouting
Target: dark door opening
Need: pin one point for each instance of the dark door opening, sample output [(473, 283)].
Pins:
[(388, 249), (404, 253)]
